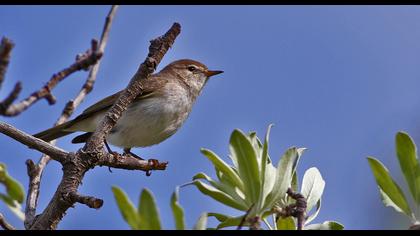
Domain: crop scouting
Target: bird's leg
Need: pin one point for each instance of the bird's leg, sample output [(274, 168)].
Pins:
[(128, 151), (110, 151), (152, 162), (108, 148)]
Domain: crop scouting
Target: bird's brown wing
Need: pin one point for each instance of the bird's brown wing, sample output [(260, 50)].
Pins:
[(64, 129), (148, 91)]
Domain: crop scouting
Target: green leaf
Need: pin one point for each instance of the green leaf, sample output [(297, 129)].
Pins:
[(269, 181), (7, 199), (126, 207), (148, 212), (327, 225), (264, 159), (234, 192), (202, 222), (388, 202), (221, 166), (313, 216), (218, 195), (218, 216), (286, 223), (255, 142), (285, 170), (312, 187), (295, 181), (391, 192), (417, 179), (407, 156), (264, 164), (177, 211), (13, 206), (13, 188), (242, 148), (234, 221)]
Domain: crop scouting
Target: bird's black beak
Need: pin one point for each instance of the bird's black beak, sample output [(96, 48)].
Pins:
[(210, 73)]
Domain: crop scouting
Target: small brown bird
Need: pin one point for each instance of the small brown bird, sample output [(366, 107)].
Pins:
[(155, 115)]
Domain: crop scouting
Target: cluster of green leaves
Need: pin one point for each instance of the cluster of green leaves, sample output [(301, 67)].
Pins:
[(252, 185), (146, 216), (255, 186), (14, 195), (391, 193)]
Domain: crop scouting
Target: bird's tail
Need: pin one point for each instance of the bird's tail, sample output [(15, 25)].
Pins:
[(54, 132)]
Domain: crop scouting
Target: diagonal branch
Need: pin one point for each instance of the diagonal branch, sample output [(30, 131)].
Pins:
[(157, 49), (35, 171), (4, 224), (6, 47), (83, 62), (33, 143)]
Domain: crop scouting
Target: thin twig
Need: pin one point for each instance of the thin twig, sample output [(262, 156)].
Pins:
[(415, 227), (243, 220), (297, 209), (6, 47), (91, 202), (56, 153), (35, 178), (300, 209), (4, 224), (34, 173), (84, 62)]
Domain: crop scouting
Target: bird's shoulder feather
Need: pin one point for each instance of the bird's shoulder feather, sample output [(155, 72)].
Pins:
[(149, 86)]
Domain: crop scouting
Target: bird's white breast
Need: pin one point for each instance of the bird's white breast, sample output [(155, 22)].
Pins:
[(152, 120)]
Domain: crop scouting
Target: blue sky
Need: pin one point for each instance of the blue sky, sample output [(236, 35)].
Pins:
[(338, 80)]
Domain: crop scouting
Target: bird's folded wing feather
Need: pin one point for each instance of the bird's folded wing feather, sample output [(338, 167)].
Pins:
[(106, 103)]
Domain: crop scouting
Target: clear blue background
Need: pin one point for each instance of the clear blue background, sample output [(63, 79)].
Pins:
[(340, 81)]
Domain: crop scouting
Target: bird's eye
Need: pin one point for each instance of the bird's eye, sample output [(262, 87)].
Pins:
[(191, 68)]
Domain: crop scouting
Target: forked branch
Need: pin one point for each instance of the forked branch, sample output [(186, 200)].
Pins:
[(7, 108)]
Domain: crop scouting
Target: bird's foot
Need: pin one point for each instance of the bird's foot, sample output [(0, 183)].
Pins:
[(153, 163)]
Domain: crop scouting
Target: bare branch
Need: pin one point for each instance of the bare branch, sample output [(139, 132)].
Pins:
[(91, 202), (13, 95), (34, 173), (83, 62), (297, 209), (32, 142), (129, 162), (37, 170), (415, 227), (4, 224), (6, 47), (244, 218)]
